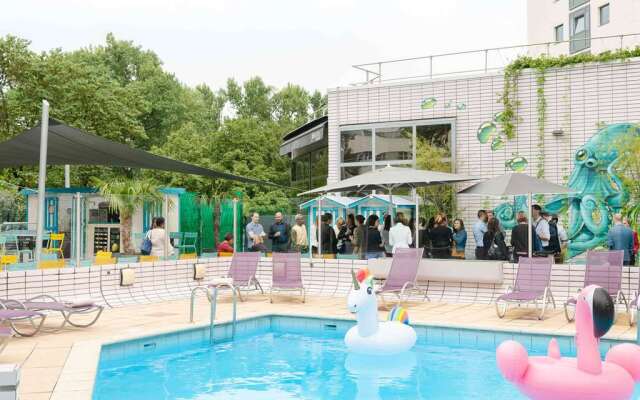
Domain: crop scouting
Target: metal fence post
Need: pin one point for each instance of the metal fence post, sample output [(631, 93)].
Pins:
[(379, 72), (486, 60), (430, 67), (235, 223)]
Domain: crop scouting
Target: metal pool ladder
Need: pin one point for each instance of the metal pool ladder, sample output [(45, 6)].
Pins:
[(212, 296)]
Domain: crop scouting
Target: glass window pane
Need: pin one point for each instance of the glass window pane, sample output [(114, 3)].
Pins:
[(434, 135), (604, 14), (559, 33), (319, 168), (578, 24), (394, 144), (432, 147), (356, 145), (348, 172)]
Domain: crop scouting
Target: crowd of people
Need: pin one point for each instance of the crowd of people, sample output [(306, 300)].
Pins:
[(369, 238)]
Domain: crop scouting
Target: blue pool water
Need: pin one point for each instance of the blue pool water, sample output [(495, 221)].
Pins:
[(283, 362)]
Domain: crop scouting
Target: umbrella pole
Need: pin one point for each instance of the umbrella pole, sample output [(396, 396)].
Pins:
[(530, 224), (416, 220), (390, 209), (42, 177), (319, 226)]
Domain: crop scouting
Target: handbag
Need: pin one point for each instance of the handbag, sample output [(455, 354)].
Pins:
[(495, 252), (145, 247)]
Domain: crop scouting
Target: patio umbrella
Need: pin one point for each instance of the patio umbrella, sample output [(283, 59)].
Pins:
[(514, 184), (391, 178)]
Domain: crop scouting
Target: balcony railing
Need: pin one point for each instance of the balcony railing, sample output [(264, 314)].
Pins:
[(477, 61)]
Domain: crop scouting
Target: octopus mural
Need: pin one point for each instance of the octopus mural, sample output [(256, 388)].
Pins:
[(597, 191)]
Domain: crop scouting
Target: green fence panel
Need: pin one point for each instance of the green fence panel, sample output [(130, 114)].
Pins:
[(207, 242)]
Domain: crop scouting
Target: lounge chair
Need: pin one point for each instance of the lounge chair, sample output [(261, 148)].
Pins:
[(45, 303), (11, 316), (532, 284), (403, 275), (287, 274), (242, 274), (604, 268)]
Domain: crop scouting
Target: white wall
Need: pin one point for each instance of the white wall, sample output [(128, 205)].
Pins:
[(578, 98)]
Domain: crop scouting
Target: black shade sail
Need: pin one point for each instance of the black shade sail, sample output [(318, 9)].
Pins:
[(67, 145)]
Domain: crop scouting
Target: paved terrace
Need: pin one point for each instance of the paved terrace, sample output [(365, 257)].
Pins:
[(62, 365)]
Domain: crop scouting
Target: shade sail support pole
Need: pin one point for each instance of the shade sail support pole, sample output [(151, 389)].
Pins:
[(235, 223), (416, 220), (165, 211), (78, 230), (67, 176), (530, 223), (42, 177)]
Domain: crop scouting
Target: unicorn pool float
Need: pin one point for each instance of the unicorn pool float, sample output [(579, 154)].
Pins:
[(585, 377), (370, 336)]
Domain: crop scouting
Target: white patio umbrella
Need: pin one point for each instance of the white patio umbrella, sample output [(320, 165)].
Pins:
[(391, 178), (515, 184)]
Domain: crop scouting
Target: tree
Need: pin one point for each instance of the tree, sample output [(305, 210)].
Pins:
[(125, 197), (628, 166), (439, 198)]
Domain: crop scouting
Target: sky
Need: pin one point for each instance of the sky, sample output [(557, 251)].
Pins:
[(312, 43)]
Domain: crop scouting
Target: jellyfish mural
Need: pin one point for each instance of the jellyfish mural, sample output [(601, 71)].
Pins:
[(597, 191)]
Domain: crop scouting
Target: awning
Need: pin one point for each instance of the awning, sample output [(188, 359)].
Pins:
[(305, 135), (67, 145)]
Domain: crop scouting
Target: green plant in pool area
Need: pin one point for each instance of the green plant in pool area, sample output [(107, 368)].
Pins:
[(508, 97)]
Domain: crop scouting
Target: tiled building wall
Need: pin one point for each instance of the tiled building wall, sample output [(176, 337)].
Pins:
[(578, 99)]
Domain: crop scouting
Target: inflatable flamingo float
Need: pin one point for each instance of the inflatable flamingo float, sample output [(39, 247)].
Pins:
[(370, 336), (586, 377)]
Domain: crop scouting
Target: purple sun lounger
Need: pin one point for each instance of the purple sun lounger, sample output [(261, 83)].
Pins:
[(287, 274), (403, 275), (532, 284), (242, 274), (68, 310), (604, 268), (12, 316)]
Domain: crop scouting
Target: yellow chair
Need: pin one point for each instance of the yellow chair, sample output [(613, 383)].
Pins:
[(148, 258), (56, 241), (7, 259), (188, 256), (225, 254), (104, 258), (47, 264)]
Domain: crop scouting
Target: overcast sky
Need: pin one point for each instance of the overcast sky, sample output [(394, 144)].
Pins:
[(308, 42)]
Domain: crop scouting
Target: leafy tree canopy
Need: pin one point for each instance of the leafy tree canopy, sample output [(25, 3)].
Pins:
[(121, 91)]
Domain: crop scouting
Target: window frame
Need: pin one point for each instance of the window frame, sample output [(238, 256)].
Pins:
[(580, 41), (600, 9)]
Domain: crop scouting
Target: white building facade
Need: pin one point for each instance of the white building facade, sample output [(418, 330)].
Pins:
[(582, 25), (378, 124)]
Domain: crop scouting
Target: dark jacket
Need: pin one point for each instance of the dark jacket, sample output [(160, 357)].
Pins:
[(329, 241), (441, 237), (488, 241), (520, 240), (374, 240)]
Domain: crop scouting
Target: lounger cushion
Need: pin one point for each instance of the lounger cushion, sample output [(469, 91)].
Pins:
[(5, 331), (8, 314)]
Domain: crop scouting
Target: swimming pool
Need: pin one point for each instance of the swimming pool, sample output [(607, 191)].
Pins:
[(279, 357)]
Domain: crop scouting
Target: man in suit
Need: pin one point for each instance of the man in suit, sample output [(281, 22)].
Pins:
[(621, 238)]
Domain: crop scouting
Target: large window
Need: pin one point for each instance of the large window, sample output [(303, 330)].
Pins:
[(356, 145), (309, 170), (579, 30), (400, 144)]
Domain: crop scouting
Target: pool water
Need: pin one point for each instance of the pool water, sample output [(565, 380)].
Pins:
[(275, 364)]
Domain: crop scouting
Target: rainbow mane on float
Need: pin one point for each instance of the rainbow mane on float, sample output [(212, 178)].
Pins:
[(399, 314)]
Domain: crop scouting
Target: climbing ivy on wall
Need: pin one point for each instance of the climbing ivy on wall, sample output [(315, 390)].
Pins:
[(512, 72)]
